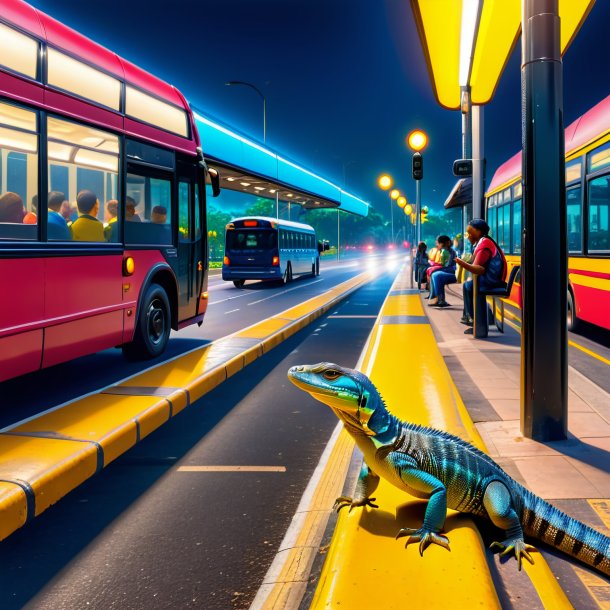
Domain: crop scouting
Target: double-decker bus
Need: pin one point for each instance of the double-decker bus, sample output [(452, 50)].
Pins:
[(258, 248), (587, 167), (102, 200)]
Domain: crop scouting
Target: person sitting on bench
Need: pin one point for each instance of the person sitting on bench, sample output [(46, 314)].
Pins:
[(488, 263), (444, 275)]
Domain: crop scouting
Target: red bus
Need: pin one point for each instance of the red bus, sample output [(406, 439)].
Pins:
[(102, 200), (587, 167)]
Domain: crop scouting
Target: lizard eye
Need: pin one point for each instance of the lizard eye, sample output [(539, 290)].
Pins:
[(331, 374)]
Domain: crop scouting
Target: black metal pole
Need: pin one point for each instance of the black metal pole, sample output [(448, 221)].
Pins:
[(544, 396)]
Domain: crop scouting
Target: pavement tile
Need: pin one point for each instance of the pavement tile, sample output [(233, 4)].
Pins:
[(507, 408), (587, 425), (554, 477)]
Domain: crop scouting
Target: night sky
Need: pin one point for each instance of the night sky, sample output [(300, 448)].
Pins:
[(345, 80)]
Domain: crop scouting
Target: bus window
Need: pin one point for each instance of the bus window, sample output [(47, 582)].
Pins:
[(89, 158), (517, 226), (599, 215), (573, 170), (148, 210), (184, 210), (251, 239), (19, 180), (506, 245), (492, 221), (574, 210), (500, 234), (599, 158)]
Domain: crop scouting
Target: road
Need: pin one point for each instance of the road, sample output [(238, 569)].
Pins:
[(230, 309), (145, 534)]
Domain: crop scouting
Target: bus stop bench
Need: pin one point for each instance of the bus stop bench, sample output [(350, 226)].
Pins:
[(480, 326)]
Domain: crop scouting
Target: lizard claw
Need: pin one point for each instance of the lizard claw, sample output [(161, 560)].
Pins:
[(425, 537), (343, 501), (516, 546)]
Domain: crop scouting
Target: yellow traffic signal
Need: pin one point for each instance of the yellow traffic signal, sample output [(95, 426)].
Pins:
[(424, 214)]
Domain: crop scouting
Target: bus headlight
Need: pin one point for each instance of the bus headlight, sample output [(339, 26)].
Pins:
[(226, 261), (276, 261)]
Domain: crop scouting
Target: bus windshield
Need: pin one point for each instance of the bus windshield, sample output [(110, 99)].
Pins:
[(251, 239)]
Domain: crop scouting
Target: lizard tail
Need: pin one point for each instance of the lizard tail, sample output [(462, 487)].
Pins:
[(544, 522)]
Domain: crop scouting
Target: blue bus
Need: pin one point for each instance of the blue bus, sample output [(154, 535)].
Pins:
[(259, 248)]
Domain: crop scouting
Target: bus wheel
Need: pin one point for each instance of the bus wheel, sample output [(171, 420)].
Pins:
[(152, 326), (239, 283), (287, 277), (318, 267), (573, 322)]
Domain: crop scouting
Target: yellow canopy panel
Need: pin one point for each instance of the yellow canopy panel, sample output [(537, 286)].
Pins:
[(439, 23)]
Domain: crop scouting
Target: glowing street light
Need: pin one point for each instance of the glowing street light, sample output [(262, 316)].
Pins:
[(417, 140), (385, 182), (408, 209), (401, 202), (395, 194)]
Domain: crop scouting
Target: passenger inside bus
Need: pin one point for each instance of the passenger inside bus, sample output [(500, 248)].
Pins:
[(130, 210), (87, 227), (57, 227), (31, 217), (110, 226), (159, 215), (11, 208)]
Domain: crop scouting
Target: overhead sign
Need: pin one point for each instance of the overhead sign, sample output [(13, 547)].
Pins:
[(462, 168)]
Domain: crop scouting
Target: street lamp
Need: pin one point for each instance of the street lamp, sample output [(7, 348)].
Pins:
[(385, 182), (417, 141), (239, 82)]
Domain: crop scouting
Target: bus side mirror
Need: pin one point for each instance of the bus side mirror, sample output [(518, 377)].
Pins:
[(214, 181)]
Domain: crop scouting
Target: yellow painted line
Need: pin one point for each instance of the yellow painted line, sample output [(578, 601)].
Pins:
[(366, 567), (597, 586), (589, 352), (602, 508), (403, 305), (45, 457), (285, 582), (232, 469)]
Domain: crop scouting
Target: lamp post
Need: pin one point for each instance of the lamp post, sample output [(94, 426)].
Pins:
[(401, 202), (417, 141), (239, 82), (385, 183)]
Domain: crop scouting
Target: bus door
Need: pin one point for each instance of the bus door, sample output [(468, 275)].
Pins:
[(191, 242)]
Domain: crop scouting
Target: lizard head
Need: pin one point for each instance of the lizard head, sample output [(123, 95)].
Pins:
[(346, 391)]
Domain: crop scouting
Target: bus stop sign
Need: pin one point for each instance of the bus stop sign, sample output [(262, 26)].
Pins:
[(462, 168)]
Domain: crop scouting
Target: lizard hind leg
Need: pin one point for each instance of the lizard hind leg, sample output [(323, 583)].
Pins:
[(499, 507)]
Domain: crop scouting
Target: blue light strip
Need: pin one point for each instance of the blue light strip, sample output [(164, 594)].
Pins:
[(238, 151)]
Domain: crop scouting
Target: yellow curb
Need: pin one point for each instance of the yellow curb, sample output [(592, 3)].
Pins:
[(366, 567), (44, 458)]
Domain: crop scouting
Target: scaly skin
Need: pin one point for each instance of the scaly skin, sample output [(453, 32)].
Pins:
[(446, 470)]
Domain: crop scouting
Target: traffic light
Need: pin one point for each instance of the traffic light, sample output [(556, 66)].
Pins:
[(424, 214), (418, 166)]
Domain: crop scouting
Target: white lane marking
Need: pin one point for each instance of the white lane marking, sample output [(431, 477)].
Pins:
[(232, 469), (232, 311), (291, 536), (277, 294), (244, 293)]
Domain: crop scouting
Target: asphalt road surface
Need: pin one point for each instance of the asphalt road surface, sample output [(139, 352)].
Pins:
[(230, 309), (144, 534)]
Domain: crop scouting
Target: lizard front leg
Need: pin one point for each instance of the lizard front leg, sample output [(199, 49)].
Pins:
[(436, 511), (499, 507), (366, 485)]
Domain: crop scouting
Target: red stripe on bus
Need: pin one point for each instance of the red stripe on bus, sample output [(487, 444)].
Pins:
[(598, 274)]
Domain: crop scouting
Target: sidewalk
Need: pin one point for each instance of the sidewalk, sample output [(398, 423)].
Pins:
[(573, 474)]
